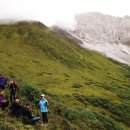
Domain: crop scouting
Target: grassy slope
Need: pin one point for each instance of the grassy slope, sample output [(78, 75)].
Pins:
[(71, 75)]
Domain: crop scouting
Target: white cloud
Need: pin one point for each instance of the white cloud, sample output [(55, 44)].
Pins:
[(50, 11)]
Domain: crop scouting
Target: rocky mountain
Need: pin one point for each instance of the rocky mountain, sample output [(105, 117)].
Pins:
[(104, 33)]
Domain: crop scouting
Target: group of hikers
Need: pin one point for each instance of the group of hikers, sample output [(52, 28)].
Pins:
[(16, 109)]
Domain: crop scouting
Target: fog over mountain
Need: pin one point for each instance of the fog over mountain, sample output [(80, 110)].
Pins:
[(104, 33)]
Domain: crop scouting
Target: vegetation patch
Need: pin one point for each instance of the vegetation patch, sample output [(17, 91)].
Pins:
[(89, 119), (77, 85), (121, 110)]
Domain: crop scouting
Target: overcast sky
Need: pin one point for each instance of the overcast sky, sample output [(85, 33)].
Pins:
[(51, 11)]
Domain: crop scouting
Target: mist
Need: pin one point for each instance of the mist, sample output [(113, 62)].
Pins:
[(50, 12)]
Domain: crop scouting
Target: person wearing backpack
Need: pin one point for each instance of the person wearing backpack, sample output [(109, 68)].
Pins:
[(13, 88), (43, 104)]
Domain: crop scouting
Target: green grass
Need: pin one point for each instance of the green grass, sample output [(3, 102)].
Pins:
[(77, 80)]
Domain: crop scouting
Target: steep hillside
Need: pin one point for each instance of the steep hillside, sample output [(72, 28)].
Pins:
[(92, 91)]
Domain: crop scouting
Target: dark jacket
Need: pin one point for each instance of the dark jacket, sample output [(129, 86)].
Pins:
[(27, 113), (13, 87), (16, 109)]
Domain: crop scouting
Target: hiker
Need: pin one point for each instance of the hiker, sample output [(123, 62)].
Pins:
[(13, 88), (3, 82), (16, 108), (28, 113), (43, 104), (3, 103)]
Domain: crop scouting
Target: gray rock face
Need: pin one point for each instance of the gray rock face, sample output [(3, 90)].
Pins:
[(107, 34)]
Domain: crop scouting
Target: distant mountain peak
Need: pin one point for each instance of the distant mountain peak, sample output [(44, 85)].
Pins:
[(97, 30)]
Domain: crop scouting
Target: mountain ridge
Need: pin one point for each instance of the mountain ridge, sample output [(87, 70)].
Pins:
[(104, 33), (91, 90)]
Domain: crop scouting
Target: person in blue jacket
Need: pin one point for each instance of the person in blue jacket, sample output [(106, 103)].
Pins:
[(43, 104)]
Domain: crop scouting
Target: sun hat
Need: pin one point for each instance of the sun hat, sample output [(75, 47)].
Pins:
[(42, 95)]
